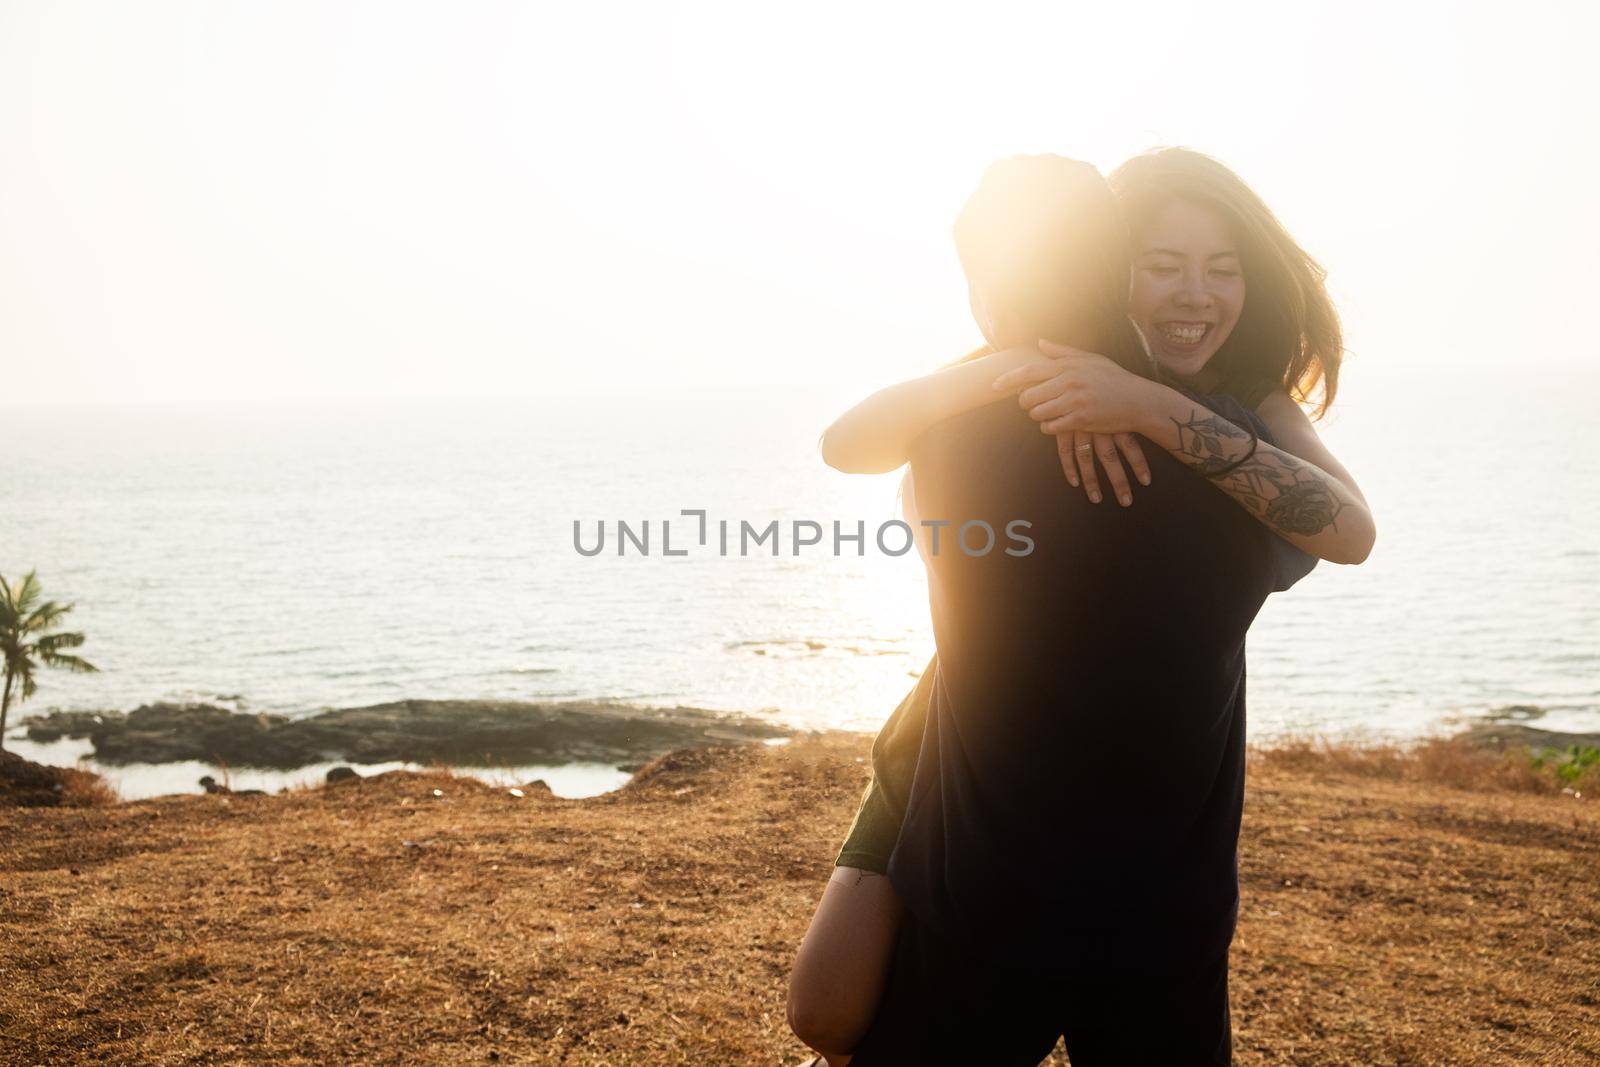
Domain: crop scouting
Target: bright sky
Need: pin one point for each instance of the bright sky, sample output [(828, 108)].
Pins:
[(220, 202)]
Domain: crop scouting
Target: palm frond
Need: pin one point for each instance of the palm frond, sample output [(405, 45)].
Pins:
[(44, 617), (24, 596), (70, 663), (55, 642)]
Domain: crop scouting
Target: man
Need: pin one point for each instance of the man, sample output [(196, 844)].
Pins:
[(1068, 855)]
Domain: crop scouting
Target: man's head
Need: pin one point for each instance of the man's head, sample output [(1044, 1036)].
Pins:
[(1045, 251)]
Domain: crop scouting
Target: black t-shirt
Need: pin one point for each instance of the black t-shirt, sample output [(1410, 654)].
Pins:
[(1078, 790)]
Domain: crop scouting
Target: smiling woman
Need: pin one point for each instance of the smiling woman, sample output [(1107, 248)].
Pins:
[(1212, 258), (1187, 285)]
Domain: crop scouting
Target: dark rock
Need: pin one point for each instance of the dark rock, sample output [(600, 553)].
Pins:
[(1503, 735), (480, 732), (341, 774), (211, 785), (1516, 713), (59, 724), (21, 777), (25, 784)]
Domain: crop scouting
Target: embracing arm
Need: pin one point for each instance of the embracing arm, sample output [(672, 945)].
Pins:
[(875, 436), (1298, 490)]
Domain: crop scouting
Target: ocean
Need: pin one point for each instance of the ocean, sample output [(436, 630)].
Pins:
[(293, 559)]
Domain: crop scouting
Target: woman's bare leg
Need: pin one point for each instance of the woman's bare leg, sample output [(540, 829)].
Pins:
[(844, 959)]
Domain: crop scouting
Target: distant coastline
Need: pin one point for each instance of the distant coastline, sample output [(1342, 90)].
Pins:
[(486, 732), (166, 747), (576, 748)]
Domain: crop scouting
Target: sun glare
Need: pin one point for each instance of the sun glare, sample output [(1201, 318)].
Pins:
[(478, 205)]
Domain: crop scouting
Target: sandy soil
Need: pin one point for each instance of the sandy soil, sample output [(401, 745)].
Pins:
[(1384, 920)]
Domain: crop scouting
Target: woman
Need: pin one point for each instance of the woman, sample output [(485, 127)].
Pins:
[(1200, 240)]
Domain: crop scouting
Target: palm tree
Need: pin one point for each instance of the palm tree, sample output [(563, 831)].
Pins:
[(27, 643)]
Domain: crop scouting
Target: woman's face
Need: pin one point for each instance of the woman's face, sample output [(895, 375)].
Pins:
[(1188, 287)]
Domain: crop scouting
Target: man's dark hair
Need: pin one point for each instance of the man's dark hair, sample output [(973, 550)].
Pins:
[(1044, 239)]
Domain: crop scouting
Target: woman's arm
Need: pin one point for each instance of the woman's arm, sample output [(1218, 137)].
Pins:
[(1293, 432), (1297, 489), (875, 436), (1312, 505)]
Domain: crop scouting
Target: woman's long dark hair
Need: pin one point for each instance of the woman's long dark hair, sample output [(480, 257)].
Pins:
[(1288, 332), (1043, 237)]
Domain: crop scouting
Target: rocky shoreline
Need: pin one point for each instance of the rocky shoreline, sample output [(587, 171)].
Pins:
[(485, 733), (461, 732), (1501, 736)]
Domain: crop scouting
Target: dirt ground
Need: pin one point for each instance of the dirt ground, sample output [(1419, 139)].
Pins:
[(431, 920)]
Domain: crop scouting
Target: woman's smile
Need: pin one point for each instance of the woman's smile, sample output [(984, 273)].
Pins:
[(1183, 336)]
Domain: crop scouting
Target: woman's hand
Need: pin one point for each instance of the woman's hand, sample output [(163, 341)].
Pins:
[(1078, 451), (1070, 389), (1090, 404)]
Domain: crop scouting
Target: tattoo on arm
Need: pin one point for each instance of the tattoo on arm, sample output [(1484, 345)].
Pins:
[(1202, 438), (1290, 495)]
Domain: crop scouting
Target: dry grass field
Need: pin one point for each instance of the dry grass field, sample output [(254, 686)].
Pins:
[(1438, 907)]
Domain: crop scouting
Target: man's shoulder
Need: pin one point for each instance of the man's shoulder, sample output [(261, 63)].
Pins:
[(1000, 414), (1000, 423), (973, 462)]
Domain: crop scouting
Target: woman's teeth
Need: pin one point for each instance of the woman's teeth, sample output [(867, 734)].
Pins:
[(1184, 334)]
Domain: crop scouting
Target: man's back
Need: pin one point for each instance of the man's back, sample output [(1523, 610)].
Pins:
[(1078, 789)]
